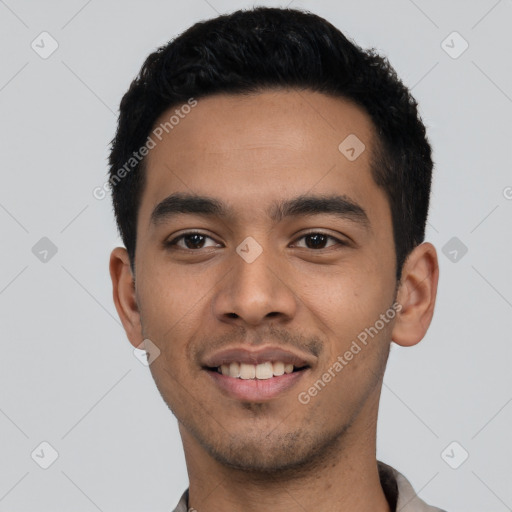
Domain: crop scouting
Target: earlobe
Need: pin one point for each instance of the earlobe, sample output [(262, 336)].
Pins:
[(123, 291), (417, 295)]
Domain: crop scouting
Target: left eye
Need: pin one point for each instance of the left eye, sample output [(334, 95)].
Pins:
[(191, 241), (318, 240)]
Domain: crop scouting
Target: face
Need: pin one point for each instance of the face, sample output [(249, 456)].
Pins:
[(290, 259)]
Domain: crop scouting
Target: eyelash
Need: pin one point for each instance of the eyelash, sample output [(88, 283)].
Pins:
[(173, 242)]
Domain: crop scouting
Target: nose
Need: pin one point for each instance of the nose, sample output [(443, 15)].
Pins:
[(255, 292)]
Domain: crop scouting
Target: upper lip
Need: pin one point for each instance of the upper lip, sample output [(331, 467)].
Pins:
[(256, 356)]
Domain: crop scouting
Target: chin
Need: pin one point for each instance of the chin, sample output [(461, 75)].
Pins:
[(285, 454), (260, 461)]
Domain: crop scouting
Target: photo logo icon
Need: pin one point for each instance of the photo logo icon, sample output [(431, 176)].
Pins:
[(44, 455), (146, 352), (454, 455), (454, 45), (351, 147), (44, 45), (44, 250), (249, 249), (454, 249)]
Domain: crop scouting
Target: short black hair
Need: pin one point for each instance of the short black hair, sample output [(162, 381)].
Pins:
[(251, 51)]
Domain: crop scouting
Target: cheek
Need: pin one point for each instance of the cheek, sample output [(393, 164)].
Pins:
[(350, 295), (357, 341), (168, 292), (345, 307), (169, 304)]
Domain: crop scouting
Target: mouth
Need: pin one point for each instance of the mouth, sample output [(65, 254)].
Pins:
[(262, 371), (256, 375)]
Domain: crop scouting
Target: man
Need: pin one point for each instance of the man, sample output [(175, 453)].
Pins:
[(271, 184)]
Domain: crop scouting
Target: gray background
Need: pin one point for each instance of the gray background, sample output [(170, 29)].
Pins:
[(68, 374)]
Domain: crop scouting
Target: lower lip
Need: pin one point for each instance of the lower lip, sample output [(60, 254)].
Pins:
[(255, 390)]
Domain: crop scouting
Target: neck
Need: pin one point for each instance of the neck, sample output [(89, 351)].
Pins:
[(344, 477)]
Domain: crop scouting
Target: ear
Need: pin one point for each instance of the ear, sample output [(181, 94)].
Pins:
[(123, 288), (417, 295)]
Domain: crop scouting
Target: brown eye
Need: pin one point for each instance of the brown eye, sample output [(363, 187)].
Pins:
[(194, 241), (191, 241), (318, 240)]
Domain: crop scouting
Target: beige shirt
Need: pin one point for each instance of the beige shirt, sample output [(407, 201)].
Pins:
[(398, 491)]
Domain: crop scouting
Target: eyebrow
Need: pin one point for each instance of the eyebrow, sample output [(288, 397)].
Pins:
[(305, 205)]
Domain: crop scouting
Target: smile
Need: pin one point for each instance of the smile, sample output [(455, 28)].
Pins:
[(258, 374), (261, 371)]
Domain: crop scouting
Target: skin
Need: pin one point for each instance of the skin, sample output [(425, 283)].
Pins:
[(249, 152)]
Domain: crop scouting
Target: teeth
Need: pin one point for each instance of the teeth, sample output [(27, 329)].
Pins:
[(247, 371), (264, 371), (234, 370), (278, 368), (261, 371)]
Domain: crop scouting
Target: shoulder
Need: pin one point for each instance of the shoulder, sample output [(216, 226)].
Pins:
[(182, 505), (406, 498)]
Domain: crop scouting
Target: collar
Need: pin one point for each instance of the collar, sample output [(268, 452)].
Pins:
[(399, 493)]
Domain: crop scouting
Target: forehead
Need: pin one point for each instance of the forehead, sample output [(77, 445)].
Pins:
[(254, 149), (277, 121)]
